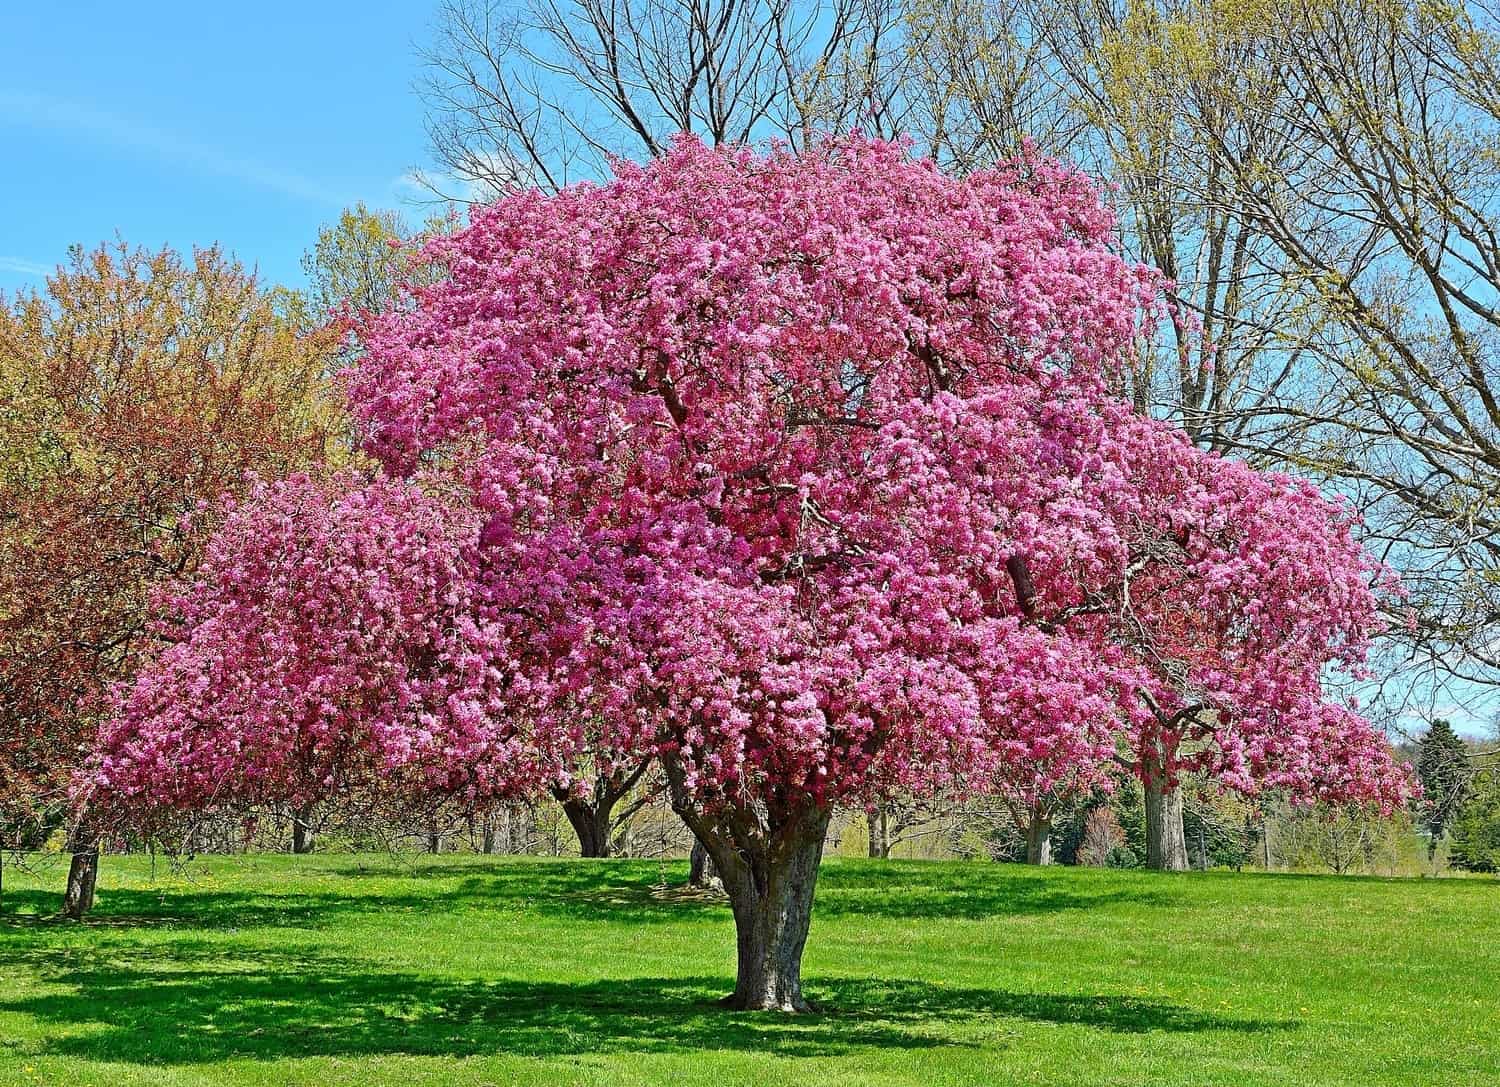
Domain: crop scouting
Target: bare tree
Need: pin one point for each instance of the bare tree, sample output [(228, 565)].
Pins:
[(1387, 219), (543, 92)]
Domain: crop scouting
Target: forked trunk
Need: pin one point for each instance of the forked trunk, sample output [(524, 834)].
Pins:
[(1166, 842), (591, 823), (1039, 839), (771, 896), (83, 874)]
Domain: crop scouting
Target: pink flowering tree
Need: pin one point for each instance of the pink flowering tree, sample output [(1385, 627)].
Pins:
[(798, 474), (327, 622)]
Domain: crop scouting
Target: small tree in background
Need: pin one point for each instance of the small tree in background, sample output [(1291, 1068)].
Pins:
[(136, 389), (1102, 837), (1445, 773), (1474, 833)]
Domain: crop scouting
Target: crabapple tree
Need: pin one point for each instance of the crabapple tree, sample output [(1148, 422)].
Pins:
[(796, 472)]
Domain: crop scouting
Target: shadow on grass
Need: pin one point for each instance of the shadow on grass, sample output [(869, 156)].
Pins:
[(629, 892), (197, 1001)]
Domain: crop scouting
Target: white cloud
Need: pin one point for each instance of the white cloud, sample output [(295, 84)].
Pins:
[(20, 266), (45, 112)]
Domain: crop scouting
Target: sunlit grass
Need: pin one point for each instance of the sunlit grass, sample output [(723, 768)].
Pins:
[(465, 970)]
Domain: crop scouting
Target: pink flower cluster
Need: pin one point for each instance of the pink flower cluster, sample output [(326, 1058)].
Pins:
[(797, 469)]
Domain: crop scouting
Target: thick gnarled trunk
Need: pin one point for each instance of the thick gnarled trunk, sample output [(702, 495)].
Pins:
[(594, 819), (771, 896), (591, 822), (1166, 842), (1166, 838), (767, 854)]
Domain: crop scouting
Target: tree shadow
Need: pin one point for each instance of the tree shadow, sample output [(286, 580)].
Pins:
[(633, 891), (624, 892), (197, 1001), (902, 889)]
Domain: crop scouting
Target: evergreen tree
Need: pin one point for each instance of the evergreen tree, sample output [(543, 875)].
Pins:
[(1444, 770), (1474, 833)]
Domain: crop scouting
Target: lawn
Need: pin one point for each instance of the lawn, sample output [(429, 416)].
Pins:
[(473, 970)]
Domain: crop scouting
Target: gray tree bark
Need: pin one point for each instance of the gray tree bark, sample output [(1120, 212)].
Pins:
[(877, 822), (302, 831), (1039, 839), (1166, 842), (771, 896), (83, 875), (701, 870), (767, 854)]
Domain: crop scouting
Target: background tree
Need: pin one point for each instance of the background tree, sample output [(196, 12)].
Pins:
[(135, 389), (1103, 838), (1386, 219), (1474, 835), (359, 261), (1444, 771), (539, 93)]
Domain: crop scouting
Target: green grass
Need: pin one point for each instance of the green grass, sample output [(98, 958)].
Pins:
[(370, 971)]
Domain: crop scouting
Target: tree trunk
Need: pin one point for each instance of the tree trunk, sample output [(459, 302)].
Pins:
[(771, 896), (83, 874), (1166, 842), (878, 824), (591, 824), (302, 831), (1039, 839), (701, 870), (489, 844)]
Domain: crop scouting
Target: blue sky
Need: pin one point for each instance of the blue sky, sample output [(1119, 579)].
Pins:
[(190, 123)]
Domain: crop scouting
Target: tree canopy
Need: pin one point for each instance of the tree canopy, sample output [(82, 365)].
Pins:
[(797, 471)]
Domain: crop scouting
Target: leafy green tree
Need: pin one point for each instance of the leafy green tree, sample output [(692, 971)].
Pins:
[(1474, 834), (357, 261)]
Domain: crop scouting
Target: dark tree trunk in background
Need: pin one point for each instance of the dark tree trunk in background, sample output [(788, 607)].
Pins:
[(1039, 838), (1166, 843), (593, 818), (83, 875), (302, 831), (701, 870), (490, 844), (591, 823), (877, 822)]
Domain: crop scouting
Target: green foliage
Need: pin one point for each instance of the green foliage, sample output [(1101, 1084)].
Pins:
[(1444, 770), (1474, 835), (1127, 800), (372, 971)]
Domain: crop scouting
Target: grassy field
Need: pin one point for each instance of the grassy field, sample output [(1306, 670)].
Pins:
[(465, 970)]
